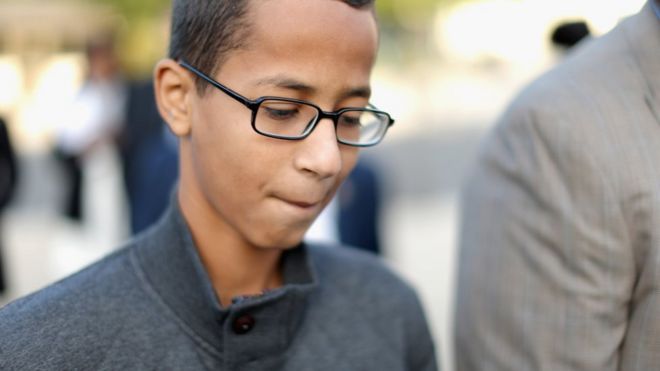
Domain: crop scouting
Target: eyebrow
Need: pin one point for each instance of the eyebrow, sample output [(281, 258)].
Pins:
[(292, 84)]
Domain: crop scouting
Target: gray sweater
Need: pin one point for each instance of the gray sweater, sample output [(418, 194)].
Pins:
[(151, 306)]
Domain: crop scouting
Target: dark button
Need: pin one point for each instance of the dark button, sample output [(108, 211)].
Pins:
[(243, 324)]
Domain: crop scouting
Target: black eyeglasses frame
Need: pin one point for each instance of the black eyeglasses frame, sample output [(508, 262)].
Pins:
[(253, 105)]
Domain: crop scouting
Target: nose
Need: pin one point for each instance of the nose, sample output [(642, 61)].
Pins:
[(320, 154)]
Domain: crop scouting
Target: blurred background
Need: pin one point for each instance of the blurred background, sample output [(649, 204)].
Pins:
[(446, 71)]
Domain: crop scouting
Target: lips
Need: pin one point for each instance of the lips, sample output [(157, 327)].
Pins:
[(301, 204), (304, 204)]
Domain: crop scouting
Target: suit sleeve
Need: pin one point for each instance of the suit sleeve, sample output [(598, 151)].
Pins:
[(545, 267)]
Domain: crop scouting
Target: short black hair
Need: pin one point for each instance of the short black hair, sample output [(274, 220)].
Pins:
[(204, 31)]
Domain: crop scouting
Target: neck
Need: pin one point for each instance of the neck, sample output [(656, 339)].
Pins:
[(235, 267)]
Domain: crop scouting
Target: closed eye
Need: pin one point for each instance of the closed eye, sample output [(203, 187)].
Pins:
[(281, 114), (350, 120)]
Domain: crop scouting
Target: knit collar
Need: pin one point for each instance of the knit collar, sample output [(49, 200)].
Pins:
[(168, 258)]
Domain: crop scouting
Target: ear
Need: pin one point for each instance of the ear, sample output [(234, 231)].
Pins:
[(174, 85)]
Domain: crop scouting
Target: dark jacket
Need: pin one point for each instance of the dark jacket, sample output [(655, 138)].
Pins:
[(7, 167), (150, 306)]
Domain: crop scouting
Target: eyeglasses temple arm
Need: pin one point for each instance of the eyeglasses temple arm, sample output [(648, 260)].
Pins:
[(246, 102)]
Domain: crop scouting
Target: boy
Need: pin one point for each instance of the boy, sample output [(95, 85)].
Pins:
[(269, 100)]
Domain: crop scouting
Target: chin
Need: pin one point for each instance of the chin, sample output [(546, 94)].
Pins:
[(281, 242), (285, 244)]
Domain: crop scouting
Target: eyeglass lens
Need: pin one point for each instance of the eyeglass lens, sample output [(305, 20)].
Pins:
[(295, 120)]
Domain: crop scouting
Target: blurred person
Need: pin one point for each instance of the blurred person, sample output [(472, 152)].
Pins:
[(92, 121), (359, 208), (353, 216), (559, 262), (568, 34), (8, 177), (269, 101), (149, 157)]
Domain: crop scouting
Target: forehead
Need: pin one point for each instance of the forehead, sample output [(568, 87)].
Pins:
[(303, 16), (308, 38), (294, 11)]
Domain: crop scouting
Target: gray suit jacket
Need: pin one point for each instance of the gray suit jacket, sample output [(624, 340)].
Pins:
[(559, 264)]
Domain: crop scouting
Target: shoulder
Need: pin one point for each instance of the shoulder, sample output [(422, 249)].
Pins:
[(580, 111), (69, 319), (383, 310), (356, 271), (593, 77), (352, 278), (94, 279)]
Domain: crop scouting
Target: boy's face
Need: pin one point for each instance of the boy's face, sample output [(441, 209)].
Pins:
[(266, 191)]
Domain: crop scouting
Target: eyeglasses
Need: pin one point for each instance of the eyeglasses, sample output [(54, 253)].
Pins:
[(294, 119)]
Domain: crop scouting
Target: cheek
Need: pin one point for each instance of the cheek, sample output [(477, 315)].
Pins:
[(224, 150)]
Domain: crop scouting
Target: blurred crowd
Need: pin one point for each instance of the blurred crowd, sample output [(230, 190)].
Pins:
[(527, 215)]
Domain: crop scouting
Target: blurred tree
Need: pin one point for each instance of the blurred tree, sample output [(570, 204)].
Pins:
[(138, 9), (407, 28), (406, 13), (142, 40), (410, 14), (142, 37)]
